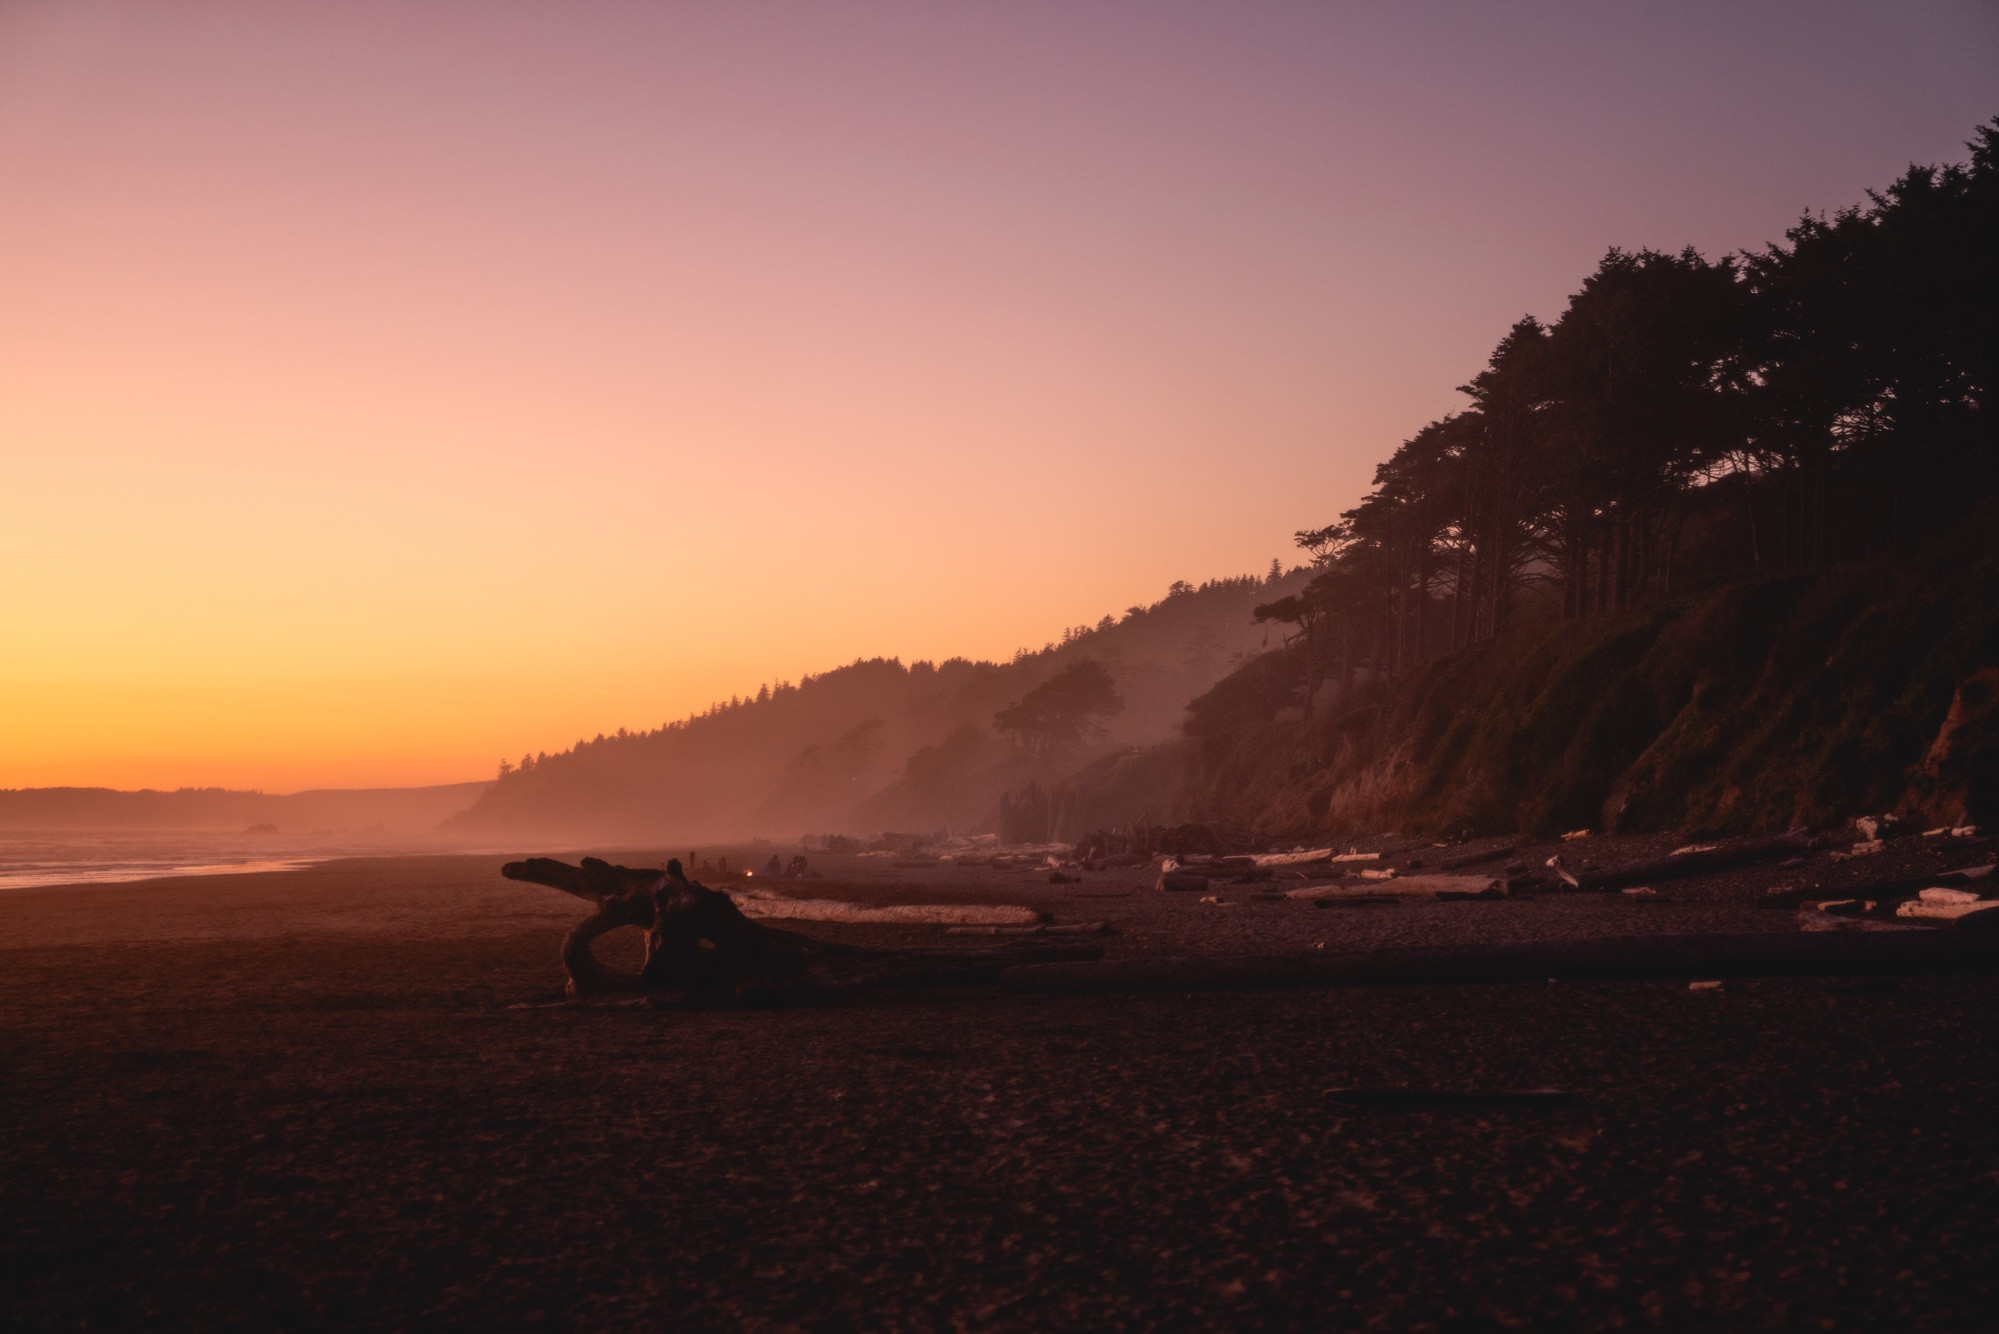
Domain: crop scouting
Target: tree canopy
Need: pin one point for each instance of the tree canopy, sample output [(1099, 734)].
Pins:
[(1682, 421), (1063, 709)]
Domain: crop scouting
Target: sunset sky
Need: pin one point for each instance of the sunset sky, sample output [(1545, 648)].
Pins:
[(387, 389)]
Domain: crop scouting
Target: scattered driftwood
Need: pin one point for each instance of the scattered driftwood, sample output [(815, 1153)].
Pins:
[(1959, 907), (1602, 958), (1873, 827), (700, 946), (1898, 887), (1182, 882), (1692, 861)]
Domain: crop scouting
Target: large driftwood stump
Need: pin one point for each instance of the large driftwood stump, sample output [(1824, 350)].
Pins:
[(701, 947)]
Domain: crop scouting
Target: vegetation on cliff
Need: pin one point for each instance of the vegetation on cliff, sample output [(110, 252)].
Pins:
[(1712, 549), (1792, 699)]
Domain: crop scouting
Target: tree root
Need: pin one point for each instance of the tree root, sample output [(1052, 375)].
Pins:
[(701, 947)]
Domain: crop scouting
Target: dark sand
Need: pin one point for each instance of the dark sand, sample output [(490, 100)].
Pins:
[(301, 1100)]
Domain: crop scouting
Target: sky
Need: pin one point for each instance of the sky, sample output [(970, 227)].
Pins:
[(387, 389)]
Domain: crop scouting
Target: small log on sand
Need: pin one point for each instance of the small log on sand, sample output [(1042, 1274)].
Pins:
[(1959, 907), (1406, 887), (1815, 919), (1274, 861), (1306, 858), (701, 946), (1601, 958), (1694, 861)]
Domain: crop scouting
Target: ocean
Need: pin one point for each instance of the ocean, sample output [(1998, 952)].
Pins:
[(39, 858)]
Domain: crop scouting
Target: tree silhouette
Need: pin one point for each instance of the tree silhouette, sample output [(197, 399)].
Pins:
[(1832, 394), (1063, 709)]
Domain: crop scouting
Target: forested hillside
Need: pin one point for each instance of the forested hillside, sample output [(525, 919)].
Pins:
[(1713, 548), (882, 745), (1800, 698)]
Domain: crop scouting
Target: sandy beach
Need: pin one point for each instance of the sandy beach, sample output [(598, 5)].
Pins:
[(302, 1099)]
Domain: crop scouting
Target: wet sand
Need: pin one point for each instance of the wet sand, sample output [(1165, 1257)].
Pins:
[(302, 1100)]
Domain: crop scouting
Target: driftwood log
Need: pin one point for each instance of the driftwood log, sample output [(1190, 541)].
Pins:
[(701, 947), (1601, 958), (1460, 862), (1404, 887), (1724, 858), (1889, 890)]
